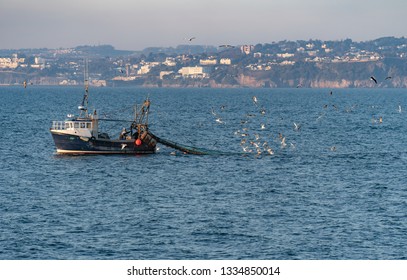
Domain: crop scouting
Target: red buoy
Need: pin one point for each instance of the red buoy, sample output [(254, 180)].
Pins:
[(138, 142)]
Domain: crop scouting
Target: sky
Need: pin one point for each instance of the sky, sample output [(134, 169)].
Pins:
[(137, 24)]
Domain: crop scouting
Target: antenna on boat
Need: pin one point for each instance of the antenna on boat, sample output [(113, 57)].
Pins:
[(84, 105)]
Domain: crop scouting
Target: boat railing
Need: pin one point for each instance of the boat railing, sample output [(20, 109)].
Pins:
[(58, 125)]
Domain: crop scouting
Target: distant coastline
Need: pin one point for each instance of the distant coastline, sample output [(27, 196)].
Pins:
[(284, 64)]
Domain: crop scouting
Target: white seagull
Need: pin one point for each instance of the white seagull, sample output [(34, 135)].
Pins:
[(297, 127), (219, 120), (270, 151), (283, 144), (255, 100)]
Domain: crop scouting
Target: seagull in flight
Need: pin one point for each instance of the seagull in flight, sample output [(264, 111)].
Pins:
[(219, 120), (387, 78), (283, 144), (373, 79), (270, 151), (192, 38), (320, 116), (255, 100), (124, 146), (297, 127)]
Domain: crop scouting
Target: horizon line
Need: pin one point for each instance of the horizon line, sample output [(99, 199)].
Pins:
[(196, 45)]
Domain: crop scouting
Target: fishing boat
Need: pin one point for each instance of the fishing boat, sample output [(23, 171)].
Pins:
[(80, 135)]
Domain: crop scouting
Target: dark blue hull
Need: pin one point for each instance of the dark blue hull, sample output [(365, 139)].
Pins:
[(73, 144)]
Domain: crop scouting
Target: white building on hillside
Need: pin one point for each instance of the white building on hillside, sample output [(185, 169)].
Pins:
[(13, 62), (194, 72), (208, 61), (225, 61)]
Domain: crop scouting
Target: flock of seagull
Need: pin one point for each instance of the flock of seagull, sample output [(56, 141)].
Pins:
[(251, 141)]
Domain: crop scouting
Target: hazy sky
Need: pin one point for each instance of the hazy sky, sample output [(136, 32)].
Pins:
[(136, 24)]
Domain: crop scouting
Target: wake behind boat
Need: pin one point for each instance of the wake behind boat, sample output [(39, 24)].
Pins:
[(81, 135)]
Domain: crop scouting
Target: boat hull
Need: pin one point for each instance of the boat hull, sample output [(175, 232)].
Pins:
[(77, 145)]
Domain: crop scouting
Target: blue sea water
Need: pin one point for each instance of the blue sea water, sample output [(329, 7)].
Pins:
[(338, 190)]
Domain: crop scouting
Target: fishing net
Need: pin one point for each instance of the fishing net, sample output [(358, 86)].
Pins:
[(188, 149)]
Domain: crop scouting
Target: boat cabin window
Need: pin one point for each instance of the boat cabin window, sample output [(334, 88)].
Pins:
[(83, 125)]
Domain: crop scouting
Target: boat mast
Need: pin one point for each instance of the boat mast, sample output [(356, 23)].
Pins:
[(84, 105), (142, 112)]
